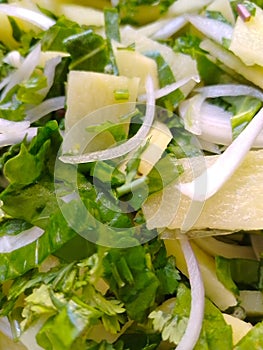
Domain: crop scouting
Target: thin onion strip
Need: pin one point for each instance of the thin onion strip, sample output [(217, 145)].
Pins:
[(10, 243), (126, 147), (7, 126), (213, 91), (170, 28), (36, 18), (15, 137), (46, 107), (212, 28), (170, 88), (211, 180), (49, 72), (24, 71), (196, 317)]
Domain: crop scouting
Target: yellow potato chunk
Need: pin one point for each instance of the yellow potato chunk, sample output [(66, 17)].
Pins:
[(239, 328), (82, 14), (224, 7), (134, 64), (89, 91), (238, 205), (247, 41), (159, 138), (182, 66)]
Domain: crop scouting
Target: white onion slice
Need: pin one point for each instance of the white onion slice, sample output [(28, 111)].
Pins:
[(208, 146), (10, 243), (5, 81), (24, 71), (196, 317), (14, 59), (129, 145), (7, 126), (211, 28), (44, 108), (219, 90), (170, 28), (211, 122), (211, 180), (49, 72), (215, 126), (5, 327), (170, 88), (14, 137), (114, 3), (190, 112), (36, 18)]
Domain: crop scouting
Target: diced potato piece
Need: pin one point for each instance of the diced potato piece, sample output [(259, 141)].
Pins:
[(252, 302), (181, 65), (247, 41), (7, 343), (238, 205), (214, 289), (134, 64), (239, 328), (89, 91), (82, 14), (159, 136), (224, 7)]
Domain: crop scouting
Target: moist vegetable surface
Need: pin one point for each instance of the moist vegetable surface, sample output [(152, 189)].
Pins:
[(131, 203)]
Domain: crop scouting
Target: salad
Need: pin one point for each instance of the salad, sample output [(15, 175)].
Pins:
[(131, 153)]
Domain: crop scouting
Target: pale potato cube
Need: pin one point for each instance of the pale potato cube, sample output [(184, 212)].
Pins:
[(8, 344), (89, 91), (247, 41), (182, 66), (238, 205), (82, 14), (159, 138), (239, 328), (224, 7), (134, 64)]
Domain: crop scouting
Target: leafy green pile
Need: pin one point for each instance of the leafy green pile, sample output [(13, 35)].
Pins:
[(79, 291)]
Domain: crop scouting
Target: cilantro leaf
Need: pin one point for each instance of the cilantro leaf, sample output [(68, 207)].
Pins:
[(171, 320), (166, 77), (88, 51), (131, 279), (53, 38), (16, 263)]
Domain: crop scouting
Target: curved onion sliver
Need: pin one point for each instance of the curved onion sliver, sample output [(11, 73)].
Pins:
[(194, 325)]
